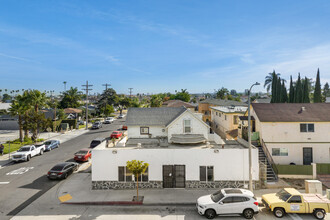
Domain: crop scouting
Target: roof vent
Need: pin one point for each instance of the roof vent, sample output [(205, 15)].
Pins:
[(303, 108)]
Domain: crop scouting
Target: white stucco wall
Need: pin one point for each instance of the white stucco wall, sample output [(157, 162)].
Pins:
[(321, 153), (229, 164), (197, 126), (134, 131)]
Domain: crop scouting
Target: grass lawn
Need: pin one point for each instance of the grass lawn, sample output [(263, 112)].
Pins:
[(13, 147)]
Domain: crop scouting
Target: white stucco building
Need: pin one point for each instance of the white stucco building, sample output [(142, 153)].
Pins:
[(180, 151), (296, 133)]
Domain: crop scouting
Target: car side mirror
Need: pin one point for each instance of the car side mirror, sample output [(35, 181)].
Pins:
[(221, 203)]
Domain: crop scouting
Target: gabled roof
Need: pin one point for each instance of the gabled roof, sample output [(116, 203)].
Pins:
[(264, 100), (72, 110), (153, 116), (223, 102), (292, 112), (177, 103)]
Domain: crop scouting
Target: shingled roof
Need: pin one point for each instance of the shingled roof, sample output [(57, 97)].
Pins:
[(223, 102), (177, 103), (153, 116), (292, 112)]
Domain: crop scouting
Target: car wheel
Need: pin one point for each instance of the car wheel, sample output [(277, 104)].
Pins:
[(248, 213), (319, 214), (28, 158), (210, 214), (65, 176), (279, 212), (50, 148), (41, 151)]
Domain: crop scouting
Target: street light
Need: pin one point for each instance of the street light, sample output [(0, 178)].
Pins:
[(249, 137)]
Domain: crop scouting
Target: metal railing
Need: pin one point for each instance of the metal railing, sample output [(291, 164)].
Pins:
[(269, 157)]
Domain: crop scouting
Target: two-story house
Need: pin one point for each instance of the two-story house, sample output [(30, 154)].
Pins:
[(180, 150), (225, 120), (293, 133)]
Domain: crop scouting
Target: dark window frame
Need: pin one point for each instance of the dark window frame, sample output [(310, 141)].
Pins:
[(205, 176), (144, 128), (125, 171), (307, 127)]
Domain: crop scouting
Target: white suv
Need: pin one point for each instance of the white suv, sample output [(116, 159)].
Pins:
[(228, 201)]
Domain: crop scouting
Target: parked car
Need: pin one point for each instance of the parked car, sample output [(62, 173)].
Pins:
[(96, 142), (116, 134), (80, 122), (124, 127), (83, 155), (108, 120), (62, 170), (121, 116), (51, 144), (97, 125), (25, 153), (228, 201), (290, 200)]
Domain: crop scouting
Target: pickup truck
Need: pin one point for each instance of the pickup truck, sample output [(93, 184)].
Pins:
[(25, 153), (289, 200)]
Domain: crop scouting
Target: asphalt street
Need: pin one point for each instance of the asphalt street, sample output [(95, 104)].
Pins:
[(24, 182)]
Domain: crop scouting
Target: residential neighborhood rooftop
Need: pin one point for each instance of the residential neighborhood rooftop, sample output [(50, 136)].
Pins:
[(292, 112), (177, 103), (223, 102), (230, 109), (153, 116)]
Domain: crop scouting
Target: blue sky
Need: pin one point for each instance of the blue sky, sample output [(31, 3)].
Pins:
[(161, 46)]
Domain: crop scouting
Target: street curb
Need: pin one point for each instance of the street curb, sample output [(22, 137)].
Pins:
[(104, 203), (3, 165)]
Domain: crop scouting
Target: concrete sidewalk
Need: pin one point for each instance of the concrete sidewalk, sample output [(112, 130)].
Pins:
[(77, 190), (48, 136)]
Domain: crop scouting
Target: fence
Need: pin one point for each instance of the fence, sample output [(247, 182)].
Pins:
[(294, 169), (323, 168)]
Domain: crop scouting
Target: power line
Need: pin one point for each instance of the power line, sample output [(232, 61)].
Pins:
[(106, 86), (106, 97), (87, 89)]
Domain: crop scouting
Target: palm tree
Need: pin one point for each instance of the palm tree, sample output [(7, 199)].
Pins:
[(64, 85), (71, 98), (18, 107), (269, 80)]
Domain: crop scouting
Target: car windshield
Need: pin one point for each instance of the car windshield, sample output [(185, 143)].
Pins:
[(24, 149), (48, 143), (81, 152), (115, 132), (57, 168), (217, 196), (94, 143), (38, 145), (283, 194)]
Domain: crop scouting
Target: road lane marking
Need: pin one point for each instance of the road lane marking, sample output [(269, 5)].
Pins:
[(20, 171), (65, 198), (1, 183)]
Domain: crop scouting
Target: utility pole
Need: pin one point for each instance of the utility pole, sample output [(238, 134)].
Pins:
[(106, 98), (130, 92), (87, 89)]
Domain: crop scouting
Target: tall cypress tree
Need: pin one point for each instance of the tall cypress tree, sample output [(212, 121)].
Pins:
[(284, 93), (274, 83), (306, 93), (317, 91), (298, 98), (291, 92), (278, 90)]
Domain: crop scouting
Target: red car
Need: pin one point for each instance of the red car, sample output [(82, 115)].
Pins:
[(83, 155), (116, 134), (124, 127)]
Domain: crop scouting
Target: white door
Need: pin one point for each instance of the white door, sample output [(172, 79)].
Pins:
[(225, 206), (33, 151)]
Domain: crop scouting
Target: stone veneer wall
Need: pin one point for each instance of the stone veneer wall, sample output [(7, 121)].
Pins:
[(96, 185)]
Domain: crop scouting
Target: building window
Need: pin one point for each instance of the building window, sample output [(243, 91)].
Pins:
[(187, 126), (144, 130), (235, 120), (226, 117), (216, 113), (306, 127), (279, 152), (206, 173), (125, 175)]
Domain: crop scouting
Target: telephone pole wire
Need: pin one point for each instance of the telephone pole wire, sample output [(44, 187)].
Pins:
[(87, 89), (106, 86)]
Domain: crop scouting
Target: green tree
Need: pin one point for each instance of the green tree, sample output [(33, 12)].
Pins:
[(274, 87), (317, 91), (284, 93), (298, 91), (269, 80), (6, 97), (137, 167), (125, 102), (71, 98), (109, 96), (18, 107), (107, 110), (183, 95), (278, 97), (221, 93), (156, 101), (326, 91), (305, 91), (291, 91)]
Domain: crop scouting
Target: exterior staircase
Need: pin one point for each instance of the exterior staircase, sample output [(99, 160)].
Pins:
[(325, 179), (271, 175)]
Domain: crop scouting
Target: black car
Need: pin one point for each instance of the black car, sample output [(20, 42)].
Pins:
[(96, 142), (62, 170)]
